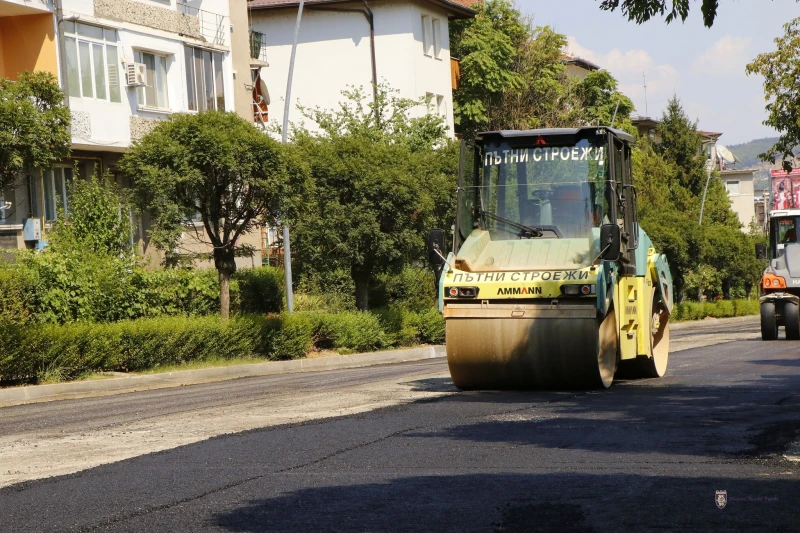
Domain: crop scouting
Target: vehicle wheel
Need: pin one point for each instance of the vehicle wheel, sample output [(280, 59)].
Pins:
[(791, 320), (769, 324)]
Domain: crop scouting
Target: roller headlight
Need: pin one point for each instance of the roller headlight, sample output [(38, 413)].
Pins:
[(461, 292)]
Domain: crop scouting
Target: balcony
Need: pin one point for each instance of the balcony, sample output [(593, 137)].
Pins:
[(258, 46), (27, 40), (213, 27)]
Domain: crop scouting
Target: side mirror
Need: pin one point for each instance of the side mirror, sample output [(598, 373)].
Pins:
[(609, 242), (761, 250), (436, 244)]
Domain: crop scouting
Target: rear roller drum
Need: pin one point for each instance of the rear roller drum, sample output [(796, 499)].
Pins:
[(769, 322), (537, 353), (655, 366), (791, 321)]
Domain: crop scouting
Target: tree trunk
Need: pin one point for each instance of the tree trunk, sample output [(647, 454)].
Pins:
[(362, 290), (225, 294), (224, 261), (726, 289)]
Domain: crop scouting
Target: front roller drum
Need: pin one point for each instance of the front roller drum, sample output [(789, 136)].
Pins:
[(532, 353)]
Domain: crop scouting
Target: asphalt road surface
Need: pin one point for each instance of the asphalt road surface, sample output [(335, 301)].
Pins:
[(411, 453)]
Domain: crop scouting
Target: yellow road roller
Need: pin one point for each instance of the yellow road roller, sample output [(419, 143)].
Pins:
[(551, 282)]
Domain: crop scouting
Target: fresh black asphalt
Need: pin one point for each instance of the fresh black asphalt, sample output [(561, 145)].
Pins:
[(643, 455)]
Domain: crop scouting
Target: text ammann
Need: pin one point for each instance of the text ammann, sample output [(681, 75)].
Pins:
[(518, 290)]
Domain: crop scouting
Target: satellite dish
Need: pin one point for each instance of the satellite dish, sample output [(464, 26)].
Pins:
[(726, 155), (264, 91)]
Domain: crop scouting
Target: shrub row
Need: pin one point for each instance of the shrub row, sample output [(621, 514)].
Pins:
[(36, 352), (715, 309), (51, 290)]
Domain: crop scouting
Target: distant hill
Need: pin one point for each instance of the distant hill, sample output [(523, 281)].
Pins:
[(748, 152)]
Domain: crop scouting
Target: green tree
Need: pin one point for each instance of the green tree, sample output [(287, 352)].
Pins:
[(34, 124), (640, 11), (215, 165), (681, 144), (781, 70), (600, 102), (715, 258), (378, 185), (488, 47), (513, 76)]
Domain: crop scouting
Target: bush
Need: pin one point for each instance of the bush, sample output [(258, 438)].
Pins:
[(16, 287), (52, 287), (413, 288), (289, 336), (41, 351), (261, 290), (715, 309), (401, 327), (349, 332), (332, 291), (431, 327)]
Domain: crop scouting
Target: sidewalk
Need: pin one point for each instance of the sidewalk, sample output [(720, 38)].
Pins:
[(100, 387)]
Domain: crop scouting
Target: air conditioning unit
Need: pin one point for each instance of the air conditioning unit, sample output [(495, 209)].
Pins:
[(136, 74)]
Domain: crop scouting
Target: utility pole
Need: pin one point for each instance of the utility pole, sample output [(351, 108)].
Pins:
[(287, 250)]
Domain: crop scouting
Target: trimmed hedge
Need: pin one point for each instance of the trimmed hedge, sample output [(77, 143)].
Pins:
[(67, 351), (46, 290), (717, 309), (37, 352)]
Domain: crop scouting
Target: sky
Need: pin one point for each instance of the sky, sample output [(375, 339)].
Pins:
[(704, 67)]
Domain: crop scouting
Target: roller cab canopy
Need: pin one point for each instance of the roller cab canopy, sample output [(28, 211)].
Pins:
[(536, 199)]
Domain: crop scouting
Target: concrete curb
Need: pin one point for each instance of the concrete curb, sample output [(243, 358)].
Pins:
[(78, 389)]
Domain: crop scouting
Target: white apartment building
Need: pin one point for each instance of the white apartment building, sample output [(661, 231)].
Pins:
[(404, 43), (124, 64)]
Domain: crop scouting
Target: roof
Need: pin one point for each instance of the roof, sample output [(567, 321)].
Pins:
[(582, 63), (645, 121), (458, 8), (506, 134)]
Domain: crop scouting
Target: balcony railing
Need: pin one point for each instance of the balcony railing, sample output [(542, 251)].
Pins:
[(212, 25), (258, 46)]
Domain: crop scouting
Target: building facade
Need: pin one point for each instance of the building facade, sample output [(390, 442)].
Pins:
[(739, 185), (124, 65), (402, 43)]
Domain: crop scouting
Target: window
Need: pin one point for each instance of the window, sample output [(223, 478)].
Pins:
[(204, 81), (426, 35), (732, 187), (154, 94), (440, 109), (57, 183), (92, 61), (437, 38)]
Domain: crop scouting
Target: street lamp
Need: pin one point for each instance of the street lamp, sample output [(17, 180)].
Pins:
[(287, 251), (709, 168)]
